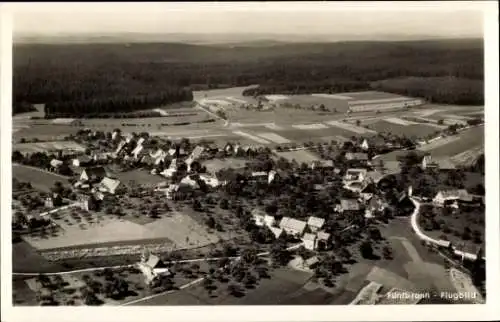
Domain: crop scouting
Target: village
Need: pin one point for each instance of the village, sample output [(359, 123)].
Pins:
[(272, 203)]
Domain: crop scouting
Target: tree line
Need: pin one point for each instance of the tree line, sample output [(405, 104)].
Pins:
[(97, 106), (82, 72)]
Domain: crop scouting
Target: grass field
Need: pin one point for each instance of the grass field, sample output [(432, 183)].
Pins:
[(139, 176), (454, 145), (40, 180), (46, 146), (299, 156), (411, 130)]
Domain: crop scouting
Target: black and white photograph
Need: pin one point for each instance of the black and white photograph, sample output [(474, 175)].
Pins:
[(252, 154)]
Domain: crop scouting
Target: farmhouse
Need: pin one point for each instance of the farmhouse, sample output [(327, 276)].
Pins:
[(210, 180), (93, 174), (81, 161), (277, 232), (315, 223), (191, 180), (322, 240), (449, 197), (261, 218), (364, 145), (55, 164), (309, 241), (354, 174), (152, 267), (357, 158), (428, 162), (348, 205), (109, 185), (292, 226), (322, 164)]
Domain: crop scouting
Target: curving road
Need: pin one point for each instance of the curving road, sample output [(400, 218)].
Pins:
[(422, 236)]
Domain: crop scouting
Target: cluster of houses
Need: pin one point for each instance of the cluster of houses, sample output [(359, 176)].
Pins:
[(455, 198), (97, 181)]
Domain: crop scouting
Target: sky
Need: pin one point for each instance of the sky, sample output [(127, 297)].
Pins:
[(438, 19)]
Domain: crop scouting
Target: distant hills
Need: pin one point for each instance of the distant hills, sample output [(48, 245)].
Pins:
[(226, 39)]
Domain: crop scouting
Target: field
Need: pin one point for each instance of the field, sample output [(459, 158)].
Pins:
[(47, 146), (218, 164), (139, 176), (278, 289), (454, 145), (410, 130), (299, 156), (39, 179), (99, 229)]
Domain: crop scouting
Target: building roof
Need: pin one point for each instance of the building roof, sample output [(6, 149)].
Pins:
[(356, 156), (461, 194), (55, 163), (259, 173), (323, 235), (152, 261), (309, 237), (276, 231), (349, 204), (110, 184), (293, 224), (95, 172), (315, 222), (157, 153)]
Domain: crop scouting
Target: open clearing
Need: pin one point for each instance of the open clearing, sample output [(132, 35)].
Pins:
[(215, 165), (47, 146), (39, 179), (176, 228), (138, 177)]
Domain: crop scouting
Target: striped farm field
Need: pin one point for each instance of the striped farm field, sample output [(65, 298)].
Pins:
[(412, 130), (251, 137), (399, 121), (350, 127), (464, 141), (271, 136), (315, 126)]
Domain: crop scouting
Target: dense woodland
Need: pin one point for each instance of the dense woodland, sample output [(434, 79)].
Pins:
[(103, 74)]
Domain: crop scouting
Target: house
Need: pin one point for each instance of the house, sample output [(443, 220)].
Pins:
[(171, 190), (87, 202), (292, 226), (190, 180), (210, 181), (229, 148), (93, 174), (195, 155), (360, 157), (259, 174), (152, 267), (140, 141), (99, 156), (109, 185), (322, 240), (82, 161), (318, 164), (272, 175), (147, 159), (364, 145), (115, 135), (55, 164), (441, 163), (355, 174), (54, 201), (261, 218), (315, 223), (121, 145), (356, 186), (348, 205), (309, 241), (137, 150), (172, 152), (128, 138), (277, 232), (449, 197)]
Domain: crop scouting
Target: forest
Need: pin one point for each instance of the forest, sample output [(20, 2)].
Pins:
[(66, 75)]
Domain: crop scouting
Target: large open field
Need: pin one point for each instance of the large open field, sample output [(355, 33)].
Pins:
[(39, 179), (454, 145), (408, 129)]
